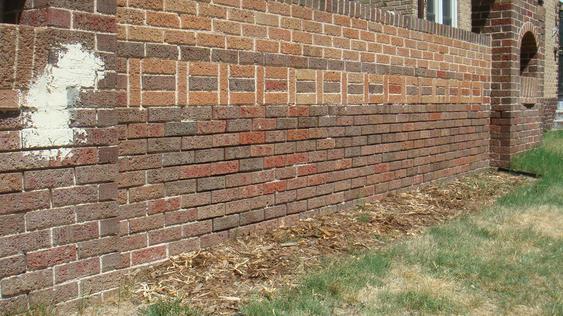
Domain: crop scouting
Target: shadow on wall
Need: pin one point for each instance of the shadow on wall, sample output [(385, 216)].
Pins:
[(10, 11), (480, 11)]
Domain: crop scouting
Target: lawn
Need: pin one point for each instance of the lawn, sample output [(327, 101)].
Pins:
[(506, 259)]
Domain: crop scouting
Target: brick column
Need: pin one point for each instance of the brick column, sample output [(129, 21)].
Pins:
[(59, 238), (514, 127)]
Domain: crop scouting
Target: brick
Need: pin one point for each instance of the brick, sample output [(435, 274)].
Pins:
[(210, 211), (27, 282), (73, 233), (9, 141), (12, 266), (146, 223), (163, 205), (96, 174), (100, 283), (213, 239), (114, 261), (189, 53), (210, 183), (150, 254), (180, 187), (159, 82), (10, 182), (165, 235), (12, 224), (178, 158), (180, 216), (75, 270), (17, 202), (241, 85), (26, 242), (9, 100), (208, 155), (225, 222), (15, 305), (94, 22), (54, 295), (50, 257), (180, 6), (203, 83), (182, 246), (180, 128), (97, 247)]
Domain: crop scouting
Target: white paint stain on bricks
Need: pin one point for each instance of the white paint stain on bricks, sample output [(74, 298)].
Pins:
[(51, 98)]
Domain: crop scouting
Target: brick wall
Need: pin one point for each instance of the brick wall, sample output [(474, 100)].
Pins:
[(251, 114), (58, 205), (210, 119)]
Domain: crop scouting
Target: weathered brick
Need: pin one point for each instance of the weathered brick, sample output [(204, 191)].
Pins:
[(73, 233), (11, 245), (12, 224), (50, 257), (225, 222), (54, 295), (24, 283), (75, 270), (17, 202), (182, 246), (12, 266), (149, 254), (98, 283)]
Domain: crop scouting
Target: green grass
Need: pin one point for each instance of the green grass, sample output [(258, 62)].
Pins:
[(364, 218), (505, 260), (168, 308)]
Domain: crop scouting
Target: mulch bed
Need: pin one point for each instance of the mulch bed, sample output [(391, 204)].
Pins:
[(218, 280)]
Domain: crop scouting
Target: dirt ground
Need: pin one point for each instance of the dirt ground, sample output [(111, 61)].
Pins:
[(219, 280)]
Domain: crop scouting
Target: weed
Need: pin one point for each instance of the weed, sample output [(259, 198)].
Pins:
[(364, 218), (168, 308)]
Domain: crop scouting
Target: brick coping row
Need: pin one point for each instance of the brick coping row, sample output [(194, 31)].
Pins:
[(372, 13)]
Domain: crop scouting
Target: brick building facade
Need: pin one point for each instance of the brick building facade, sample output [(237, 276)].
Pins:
[(135, 130)]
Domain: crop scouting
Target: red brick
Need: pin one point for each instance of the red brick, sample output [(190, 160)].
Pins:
[(78, 269), (50, 257), (17, 202), (150, 254)]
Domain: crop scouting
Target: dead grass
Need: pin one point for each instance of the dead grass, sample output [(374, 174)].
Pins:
[(545, 219)]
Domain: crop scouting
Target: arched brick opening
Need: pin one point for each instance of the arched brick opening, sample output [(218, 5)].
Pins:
[(529, 64), (10, 11), (528, 55)]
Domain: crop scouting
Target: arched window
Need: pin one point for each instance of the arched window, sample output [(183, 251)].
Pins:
[(10, 11)]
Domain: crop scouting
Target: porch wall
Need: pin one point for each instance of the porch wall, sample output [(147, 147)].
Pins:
[(207, 120)]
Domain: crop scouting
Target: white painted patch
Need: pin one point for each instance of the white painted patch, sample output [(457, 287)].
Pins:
[(53, 94)]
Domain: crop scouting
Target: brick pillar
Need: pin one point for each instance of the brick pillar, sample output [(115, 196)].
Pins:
[(515, 127), (59, 238)]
